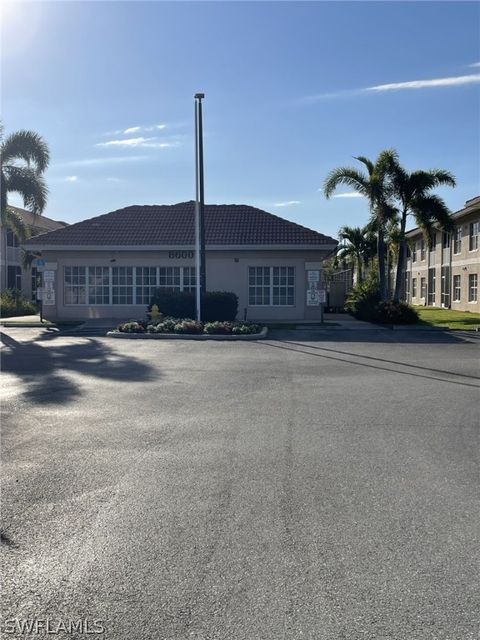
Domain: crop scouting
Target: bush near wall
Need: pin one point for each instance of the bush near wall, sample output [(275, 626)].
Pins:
[(363, 302), (12, 303), (216, 305)]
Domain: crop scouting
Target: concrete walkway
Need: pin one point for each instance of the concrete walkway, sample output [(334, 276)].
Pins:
[(25, 321)]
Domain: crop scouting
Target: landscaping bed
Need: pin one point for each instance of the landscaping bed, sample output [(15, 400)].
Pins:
[(186, 328)]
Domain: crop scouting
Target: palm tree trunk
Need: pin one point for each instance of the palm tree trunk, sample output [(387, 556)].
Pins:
[(401, 258), (381, 262)]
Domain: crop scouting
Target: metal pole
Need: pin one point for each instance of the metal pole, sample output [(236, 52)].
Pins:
[(197, 226), (203, 274)]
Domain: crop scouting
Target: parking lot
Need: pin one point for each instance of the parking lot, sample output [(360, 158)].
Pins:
[(317, 484)]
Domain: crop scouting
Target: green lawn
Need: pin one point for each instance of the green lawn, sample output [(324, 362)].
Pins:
[(447, 318)]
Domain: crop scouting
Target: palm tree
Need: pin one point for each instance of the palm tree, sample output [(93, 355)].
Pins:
[(357, 249), (374, 185), (412, 190), (24, 156)]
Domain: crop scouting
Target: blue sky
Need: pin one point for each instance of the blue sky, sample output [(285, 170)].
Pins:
[(292, 90)]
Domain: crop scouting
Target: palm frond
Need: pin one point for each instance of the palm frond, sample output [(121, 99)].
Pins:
[(13, 222), (431, 209), (28, 146), (347, 176), (29, 185), (367, 162)]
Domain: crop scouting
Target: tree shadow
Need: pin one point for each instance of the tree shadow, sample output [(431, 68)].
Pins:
[(377, 335), (44, 366), (381, 364)]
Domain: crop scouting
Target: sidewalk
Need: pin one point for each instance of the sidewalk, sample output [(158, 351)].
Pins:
[(24, 321)]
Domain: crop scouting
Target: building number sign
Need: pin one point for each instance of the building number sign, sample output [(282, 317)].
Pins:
[(180, 254)]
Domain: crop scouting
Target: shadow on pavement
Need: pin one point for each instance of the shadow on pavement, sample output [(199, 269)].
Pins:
[(45, 368), (375, 335), (371, 362)]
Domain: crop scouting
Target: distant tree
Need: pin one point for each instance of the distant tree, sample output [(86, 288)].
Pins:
[(375, 186), (357, 247), (24, 156)]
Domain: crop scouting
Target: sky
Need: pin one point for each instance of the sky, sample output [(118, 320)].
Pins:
[(292, 90)]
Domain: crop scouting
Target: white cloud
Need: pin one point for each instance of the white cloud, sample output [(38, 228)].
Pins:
[(88, 162), (113, 179), (349, 194), (454, 81), (474, 64), (132, 130), (150, 143), (71, 179), (287, 203)]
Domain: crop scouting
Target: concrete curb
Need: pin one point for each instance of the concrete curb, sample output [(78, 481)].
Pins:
[(187, 336)]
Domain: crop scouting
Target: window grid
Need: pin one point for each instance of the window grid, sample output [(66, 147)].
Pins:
[(169, 278), (474, 233), (414, 252), (473, 287), (98, 285), (75, 285), (414, 287), (189, 280), (457, 289), (457, 240), (146, 280), (122, 285), (271, 286), (423, 288), (422, 249)]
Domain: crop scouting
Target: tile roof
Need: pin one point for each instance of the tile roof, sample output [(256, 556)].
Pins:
[(39, 223), (225, 224)]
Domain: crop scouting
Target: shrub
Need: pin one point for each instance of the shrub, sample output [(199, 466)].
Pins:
[(391, 312), (216, 305), (218, 328), (362, 300), (167, 325), (12, 303), (188, 326), (131, 327), (245, 328)]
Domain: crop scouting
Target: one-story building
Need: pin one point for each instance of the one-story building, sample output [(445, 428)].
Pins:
[(109, 266)]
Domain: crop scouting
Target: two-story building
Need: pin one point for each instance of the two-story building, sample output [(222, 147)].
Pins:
[(13, 273), (445, 273)]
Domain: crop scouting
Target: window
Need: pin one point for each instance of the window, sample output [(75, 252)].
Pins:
[(414, 251), (274, 286), (122, 285), (189, 279), (433, 243), (445, 240), (409, 253), (414, 287), (407, 286), (98, 285), (146, 283), (457, 240), (457, 289), (431, 286), (14, 278), (169, 277), (422, 249), (474, 233), (75, 291), (473, 287), (12, 240), (445, 285), (423, 288)]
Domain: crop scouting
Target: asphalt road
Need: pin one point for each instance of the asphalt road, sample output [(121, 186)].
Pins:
[(319, 486)]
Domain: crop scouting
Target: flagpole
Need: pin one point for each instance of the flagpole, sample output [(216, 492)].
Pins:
[(197, 222)]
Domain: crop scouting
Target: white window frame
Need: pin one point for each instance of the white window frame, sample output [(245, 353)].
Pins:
[(271, 285), (473, 288), (75, 286), (414, 287), (422, 249), (457, 240), (423, 288), (457, 288), (109, 286), (473, 237)]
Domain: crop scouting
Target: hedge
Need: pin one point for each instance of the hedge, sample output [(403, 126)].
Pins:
[(12, 303), (215, 305)]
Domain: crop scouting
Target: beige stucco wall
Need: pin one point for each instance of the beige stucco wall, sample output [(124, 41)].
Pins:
[(463, 263), (226, 271)]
